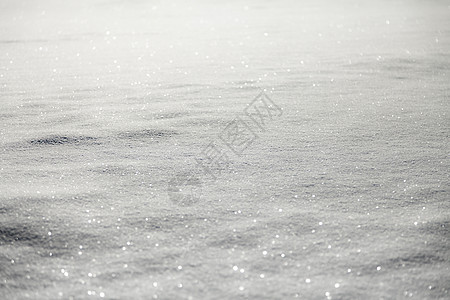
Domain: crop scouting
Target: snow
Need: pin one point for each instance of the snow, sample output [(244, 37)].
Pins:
[(106, 109)]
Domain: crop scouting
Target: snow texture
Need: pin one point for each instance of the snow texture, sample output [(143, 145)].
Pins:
[(338, 189)]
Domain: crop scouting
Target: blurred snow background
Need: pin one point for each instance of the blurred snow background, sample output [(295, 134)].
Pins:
[(346, 196)]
